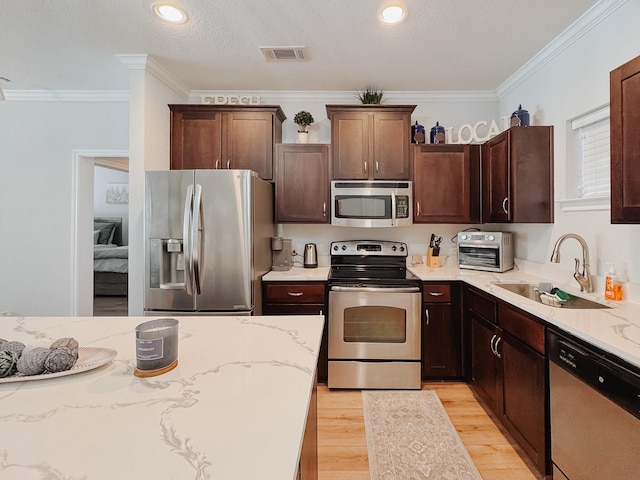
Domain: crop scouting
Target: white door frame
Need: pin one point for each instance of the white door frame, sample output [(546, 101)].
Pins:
[(82, 239)]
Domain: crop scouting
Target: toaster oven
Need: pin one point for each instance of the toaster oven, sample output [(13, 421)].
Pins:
[(488, 251)]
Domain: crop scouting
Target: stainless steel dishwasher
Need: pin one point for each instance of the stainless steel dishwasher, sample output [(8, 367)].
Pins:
[(595, 412)]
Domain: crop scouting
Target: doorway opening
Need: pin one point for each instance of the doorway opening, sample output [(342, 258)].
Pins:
[(84, 222), (110, 236)]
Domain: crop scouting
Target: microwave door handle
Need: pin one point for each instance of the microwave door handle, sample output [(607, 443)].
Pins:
[(393, 209), (186, 239), (196, 237)]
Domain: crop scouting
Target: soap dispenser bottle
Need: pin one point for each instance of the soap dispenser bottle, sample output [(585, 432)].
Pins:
[(612, 286)]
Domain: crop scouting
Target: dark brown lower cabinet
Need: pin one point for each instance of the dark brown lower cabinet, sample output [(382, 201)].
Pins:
[(486, 380), (509, 371), (442, 332), (523, 405), (299, 298)]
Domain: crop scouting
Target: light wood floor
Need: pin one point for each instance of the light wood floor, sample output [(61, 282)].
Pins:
[(110, 306), (342, 444)]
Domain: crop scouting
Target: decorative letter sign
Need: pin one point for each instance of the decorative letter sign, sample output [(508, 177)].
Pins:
[(232, 100)]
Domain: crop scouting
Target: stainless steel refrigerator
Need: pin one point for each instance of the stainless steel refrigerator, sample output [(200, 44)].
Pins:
[(207, 241)]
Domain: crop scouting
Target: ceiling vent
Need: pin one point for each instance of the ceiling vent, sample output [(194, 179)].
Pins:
[(280, 54)]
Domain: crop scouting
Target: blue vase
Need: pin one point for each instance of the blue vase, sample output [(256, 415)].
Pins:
[(417, 133), (437, 134), (520, 117)]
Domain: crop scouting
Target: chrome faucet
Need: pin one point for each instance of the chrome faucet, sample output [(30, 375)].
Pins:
[(584, 277)]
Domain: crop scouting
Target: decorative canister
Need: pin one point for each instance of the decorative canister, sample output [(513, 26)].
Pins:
[(418, 133), (437, 134), (520, 118)]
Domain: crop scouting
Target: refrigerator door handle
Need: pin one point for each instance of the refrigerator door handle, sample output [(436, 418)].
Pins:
[(186, 240), (196, 237)]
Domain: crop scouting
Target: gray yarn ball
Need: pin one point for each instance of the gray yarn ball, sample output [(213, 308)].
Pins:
[(14, 346), (8, 360), (60, 359), (72, 343), (31, 362)]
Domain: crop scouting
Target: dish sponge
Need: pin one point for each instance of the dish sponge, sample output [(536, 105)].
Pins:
[(562, 296)]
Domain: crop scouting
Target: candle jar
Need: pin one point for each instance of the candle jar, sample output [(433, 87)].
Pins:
[(156, 347)]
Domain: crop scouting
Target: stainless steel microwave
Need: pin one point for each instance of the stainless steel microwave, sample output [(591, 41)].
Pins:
[(488, 251), (376, 203)]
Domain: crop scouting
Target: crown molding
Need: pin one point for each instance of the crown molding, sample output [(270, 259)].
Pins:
[(571, 34), (67, 95), (151, 66)]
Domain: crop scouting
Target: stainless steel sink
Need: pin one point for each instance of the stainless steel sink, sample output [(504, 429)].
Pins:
[(530, 291)]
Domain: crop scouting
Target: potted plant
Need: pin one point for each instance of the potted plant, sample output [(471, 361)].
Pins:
[(370, 96), (303, 119)]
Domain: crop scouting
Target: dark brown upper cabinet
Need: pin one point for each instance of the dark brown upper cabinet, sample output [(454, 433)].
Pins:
[(370, 141), (446, 183), (225, 136), (625, 142), (302, 183), (517, 176)]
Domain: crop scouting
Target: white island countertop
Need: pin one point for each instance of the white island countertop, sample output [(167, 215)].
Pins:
[(235, 407)]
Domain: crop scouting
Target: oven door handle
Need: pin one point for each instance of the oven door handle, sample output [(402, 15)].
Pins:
[(336, 288)]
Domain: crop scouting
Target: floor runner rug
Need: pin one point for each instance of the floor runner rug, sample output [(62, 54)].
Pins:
[(410, 437)]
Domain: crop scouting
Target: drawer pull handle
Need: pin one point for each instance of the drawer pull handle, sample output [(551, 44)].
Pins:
[(427, 320), (295, 294), (436, 294)]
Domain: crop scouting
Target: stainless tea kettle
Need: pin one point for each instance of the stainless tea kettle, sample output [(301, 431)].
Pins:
[(310, 256)]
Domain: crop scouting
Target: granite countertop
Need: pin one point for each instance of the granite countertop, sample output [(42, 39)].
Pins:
[(235, 407), (616, 329), (298, 274)]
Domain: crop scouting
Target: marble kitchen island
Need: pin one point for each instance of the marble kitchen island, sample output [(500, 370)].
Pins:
[(235, 407)]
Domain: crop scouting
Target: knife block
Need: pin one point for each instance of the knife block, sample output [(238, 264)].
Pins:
[(432, 260)]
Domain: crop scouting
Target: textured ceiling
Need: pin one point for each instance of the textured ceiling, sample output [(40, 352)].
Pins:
[(452, 45)]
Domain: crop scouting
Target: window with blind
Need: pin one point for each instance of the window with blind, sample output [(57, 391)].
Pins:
[(593, 153)]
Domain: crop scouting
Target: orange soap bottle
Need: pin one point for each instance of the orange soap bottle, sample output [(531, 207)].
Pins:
[(612, 286)]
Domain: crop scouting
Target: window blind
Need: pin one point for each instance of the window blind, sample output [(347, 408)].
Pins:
[(594, 159)]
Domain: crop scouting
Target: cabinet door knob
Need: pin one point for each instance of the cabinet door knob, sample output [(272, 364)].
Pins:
[(228, 164), (493, 339), (295, 294), (436, 294), (324, 209), (418, 209), (505, 204), (217, 163), (426, 313), (365, 167), (377, 167)]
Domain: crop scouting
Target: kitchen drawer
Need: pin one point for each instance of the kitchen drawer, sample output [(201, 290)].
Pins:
[(480, 304), (302, 292), (523, 327), (294, 309), (436, 293)]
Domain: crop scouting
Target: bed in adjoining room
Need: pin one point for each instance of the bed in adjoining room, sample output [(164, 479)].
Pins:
[(110, 258)]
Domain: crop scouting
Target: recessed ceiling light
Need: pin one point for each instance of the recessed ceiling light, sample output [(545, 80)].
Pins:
[(392, 14), (169, 12)]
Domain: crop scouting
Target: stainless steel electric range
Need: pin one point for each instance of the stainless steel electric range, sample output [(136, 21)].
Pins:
[(374, 317)]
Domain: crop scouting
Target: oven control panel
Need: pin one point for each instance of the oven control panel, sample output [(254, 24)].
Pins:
[(369, 247)]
